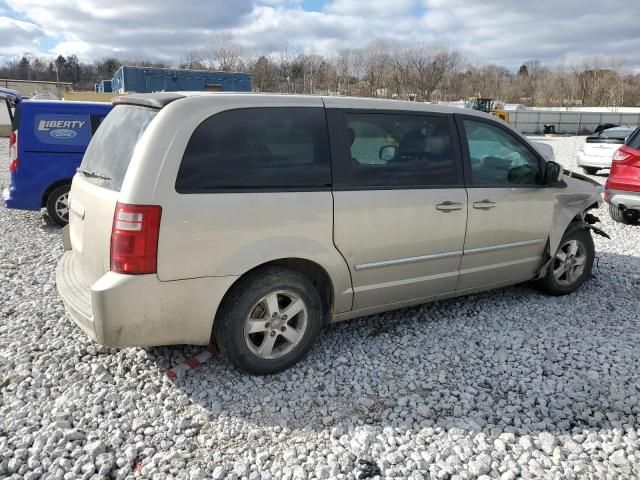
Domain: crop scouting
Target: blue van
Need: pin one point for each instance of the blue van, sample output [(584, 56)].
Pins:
[(47, 142)]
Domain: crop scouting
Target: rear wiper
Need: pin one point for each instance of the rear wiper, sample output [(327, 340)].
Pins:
[(93, 174)]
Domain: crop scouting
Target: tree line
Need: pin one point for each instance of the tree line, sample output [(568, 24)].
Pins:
[(415, 71)]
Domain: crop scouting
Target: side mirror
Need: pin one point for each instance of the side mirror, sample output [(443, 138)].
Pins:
[(387, 152), (552, 173)]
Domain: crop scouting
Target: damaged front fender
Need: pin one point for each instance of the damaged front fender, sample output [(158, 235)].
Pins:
[(572, 203)]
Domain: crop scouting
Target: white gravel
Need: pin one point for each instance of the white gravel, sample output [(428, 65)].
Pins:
[(507, 384)]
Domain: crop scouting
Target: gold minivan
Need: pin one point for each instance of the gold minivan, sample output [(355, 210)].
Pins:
[(253, 220)]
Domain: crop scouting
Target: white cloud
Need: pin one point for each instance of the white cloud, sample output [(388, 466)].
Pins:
[(491, 31), (389, 8), (16, 35)]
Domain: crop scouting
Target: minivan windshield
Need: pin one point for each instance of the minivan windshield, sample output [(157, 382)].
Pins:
[(108, 155)]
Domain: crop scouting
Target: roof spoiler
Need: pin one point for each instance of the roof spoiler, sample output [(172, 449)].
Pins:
[(153, 100), (11, 99)]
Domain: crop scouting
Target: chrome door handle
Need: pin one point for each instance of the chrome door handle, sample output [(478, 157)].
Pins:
[(449, 206), (484, 205)]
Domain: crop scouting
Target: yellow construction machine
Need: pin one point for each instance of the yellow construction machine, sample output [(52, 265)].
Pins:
[(488, 105)]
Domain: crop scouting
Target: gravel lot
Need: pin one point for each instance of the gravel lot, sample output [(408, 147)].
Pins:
[(506, 384)]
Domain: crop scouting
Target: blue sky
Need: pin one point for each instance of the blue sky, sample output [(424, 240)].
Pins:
[(506, 32)]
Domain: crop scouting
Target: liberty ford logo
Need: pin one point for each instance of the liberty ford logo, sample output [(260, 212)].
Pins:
[(61, 128), (63, 133)]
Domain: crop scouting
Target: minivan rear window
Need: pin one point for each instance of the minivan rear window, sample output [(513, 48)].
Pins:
[(107, 158), (257, 148)]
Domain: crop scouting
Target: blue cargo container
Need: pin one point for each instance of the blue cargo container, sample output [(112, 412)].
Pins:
[(105, 86), (147, 79)]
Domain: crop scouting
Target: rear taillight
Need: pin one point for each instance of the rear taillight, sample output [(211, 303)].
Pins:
[(14, 163), (134, 239), (621, 156)]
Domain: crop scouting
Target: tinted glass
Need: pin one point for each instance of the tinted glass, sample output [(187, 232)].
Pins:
[(107, 158), (96, 120), (615, 133), (257, 148), (634, 139), (400, 150), (610, 136), (499, 158)]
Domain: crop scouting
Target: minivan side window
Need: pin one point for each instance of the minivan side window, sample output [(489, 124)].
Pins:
[(257, 148), (498, 158), (397, 149)]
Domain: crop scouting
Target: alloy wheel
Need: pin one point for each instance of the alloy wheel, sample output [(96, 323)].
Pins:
[(276, 324), (569, 263), (62, 206)]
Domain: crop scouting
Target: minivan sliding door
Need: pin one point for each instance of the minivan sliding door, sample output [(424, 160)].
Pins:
[(400, 207)]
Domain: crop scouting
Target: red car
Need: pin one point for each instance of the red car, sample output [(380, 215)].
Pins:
[(622, 190)]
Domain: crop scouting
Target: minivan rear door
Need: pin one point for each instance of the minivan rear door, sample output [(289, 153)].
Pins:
[(96, 186), (400, 203)]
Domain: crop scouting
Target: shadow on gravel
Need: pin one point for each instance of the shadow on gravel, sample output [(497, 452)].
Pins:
[(512, 360)]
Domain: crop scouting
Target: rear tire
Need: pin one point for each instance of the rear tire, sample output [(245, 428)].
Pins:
[(58, 205), (623, 217), (253, 329), (590, 170), (571, 265)]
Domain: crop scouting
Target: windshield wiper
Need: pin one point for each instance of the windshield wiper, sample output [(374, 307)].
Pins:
[(93, 174)]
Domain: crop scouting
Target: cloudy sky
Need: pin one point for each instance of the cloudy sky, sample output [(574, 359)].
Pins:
[(506, 32)]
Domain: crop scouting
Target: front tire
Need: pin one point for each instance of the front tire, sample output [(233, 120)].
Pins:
[(623, 217), (572, 264), (58, 205), (590, 170), (269, 321)]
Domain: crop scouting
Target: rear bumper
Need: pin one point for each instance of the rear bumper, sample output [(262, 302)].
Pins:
[(630, 200), (593, 161), (140, 310), (13, 198)]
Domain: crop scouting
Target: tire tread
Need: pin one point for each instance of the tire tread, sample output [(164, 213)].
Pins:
[(227, 322)]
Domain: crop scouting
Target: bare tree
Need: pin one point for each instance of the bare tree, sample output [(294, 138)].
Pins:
[(348, 67), (192, 61), (222, 53), (264, 74), (376, 66), (382, 69)]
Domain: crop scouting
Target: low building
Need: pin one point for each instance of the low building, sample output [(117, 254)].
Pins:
[(150, 79), (104, 86)]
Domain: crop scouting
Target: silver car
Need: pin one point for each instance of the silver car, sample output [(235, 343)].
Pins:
[(253, 220)]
